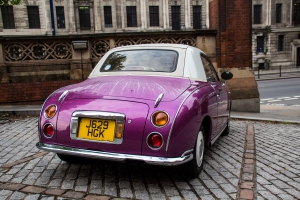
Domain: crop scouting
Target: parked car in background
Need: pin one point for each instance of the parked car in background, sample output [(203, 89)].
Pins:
[(162, 104)]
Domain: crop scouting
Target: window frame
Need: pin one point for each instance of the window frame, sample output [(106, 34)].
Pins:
[(131, 16), (280, 43), (176, 19), (154, 15), (260, 44), (8, 18), (257, 14), (59, 15), (33, 17), (84, 17), (107, 11), (278, 13), (197, 17), (209, 68)]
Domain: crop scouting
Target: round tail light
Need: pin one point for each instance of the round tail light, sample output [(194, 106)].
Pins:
[(160, 118), (155, 140), (50, 111), (48, 130)]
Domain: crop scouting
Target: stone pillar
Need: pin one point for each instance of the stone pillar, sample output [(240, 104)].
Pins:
[(72, 21), (98, 14), (143, 15), (92, 16), (123, 13), (187, 15), (4, 76), (166, 14), (234, 50)]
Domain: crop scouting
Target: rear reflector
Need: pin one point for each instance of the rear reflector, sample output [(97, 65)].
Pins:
[(155, 140), (48, 130)]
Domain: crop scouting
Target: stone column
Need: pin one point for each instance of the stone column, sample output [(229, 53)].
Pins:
[(92, 16), (143, 15), (166, 14), (72, 21), (187, 14), (98, 14), (4, 75), (123, 13)]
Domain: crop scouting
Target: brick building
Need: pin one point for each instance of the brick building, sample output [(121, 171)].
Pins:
[(37, 37)]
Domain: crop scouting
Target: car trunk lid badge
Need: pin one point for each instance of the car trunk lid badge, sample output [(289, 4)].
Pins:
[(158, 100), (63, 95)]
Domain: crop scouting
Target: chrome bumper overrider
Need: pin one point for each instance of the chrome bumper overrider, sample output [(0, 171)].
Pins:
[(115, 156)]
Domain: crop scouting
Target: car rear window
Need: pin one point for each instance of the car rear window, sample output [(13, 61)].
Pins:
[(141, 60)]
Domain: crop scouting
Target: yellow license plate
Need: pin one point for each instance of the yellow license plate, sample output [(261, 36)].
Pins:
[(97, 129)]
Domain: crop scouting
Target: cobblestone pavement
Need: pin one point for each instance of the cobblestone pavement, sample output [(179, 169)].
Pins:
[(28, 173)]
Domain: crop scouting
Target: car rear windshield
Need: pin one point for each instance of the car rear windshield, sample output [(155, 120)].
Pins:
[(141, 60)]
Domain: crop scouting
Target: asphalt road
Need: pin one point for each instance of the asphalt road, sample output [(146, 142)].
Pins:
[(280, 92)]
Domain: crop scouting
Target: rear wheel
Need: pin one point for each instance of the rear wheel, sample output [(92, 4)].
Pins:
[(195, 166)]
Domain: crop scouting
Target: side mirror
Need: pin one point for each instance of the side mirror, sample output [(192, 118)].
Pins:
[(226, 75)]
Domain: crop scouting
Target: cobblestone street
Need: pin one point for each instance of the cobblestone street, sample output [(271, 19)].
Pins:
[(27, 173)]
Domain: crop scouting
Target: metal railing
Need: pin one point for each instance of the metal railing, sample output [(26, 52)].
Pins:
[(277, 73)]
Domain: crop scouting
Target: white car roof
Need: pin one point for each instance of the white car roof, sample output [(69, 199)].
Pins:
[(189, 64)]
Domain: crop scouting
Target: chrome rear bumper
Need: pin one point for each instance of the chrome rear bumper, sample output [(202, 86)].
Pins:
[(187, 156)]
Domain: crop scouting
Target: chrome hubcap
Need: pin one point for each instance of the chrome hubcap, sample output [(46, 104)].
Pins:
[(199, 149)]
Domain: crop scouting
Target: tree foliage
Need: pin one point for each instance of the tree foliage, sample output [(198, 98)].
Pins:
[(9, 2)]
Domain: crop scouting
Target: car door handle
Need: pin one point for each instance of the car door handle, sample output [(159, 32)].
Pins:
[(218, 96)]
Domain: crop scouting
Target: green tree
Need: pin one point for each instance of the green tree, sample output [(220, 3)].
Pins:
[(9, 2)]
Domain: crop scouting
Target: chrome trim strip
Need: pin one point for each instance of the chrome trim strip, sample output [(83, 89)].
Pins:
[(74, 124), (63, 95), (171, 129), (114, 156), (158, 100)]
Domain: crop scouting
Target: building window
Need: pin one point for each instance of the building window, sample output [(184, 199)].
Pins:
[(107, 17), (8, 17), (260, 43), (84, 17), (131, 16), (257, 14), (154, 15), (280, 42), (197, 17), (33, 16), (278, 13), (296, 14), (175, 12), (60, 17)]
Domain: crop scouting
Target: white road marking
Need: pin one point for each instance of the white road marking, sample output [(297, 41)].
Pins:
[(297, 96), (290, 99), (283, 97), (274, 100), (267, 99)]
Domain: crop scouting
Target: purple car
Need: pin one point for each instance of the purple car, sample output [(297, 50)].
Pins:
[(161, 104)]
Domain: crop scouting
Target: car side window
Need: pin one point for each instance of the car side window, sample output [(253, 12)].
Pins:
[(210, 72)]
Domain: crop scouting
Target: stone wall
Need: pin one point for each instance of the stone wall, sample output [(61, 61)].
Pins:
[(40, 65)]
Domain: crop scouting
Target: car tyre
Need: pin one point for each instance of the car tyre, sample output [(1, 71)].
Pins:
[(227, 129), (195, 166)]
